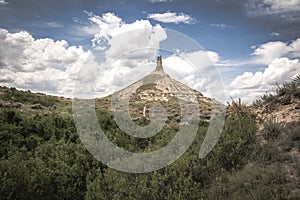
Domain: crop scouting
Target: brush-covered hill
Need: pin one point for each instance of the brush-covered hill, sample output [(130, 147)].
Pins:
[(278, 117), (159, 87), (283, 105), (42, 157)]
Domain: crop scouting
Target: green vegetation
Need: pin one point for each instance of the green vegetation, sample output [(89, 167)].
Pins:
[(42, 157), (13, 95), (283, 94)]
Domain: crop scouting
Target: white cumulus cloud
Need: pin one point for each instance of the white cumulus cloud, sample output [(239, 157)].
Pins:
[(41, 65), (266, 53), (196, 69), (250, 85), (118, 37), (126, 49), (279, 61), (266, 7), (171, 17), (280, 70), (3, 2), (107, 24)]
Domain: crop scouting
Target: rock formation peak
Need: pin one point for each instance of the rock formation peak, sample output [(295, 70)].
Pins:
[(158, 86), (159, 66)]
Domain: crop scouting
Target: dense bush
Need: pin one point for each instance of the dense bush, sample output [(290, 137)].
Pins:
[(41, 157)]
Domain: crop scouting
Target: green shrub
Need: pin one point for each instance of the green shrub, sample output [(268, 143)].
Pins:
[(254, 181), (272, 129)]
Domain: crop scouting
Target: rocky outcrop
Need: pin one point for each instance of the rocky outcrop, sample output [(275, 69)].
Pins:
[(159, 87)]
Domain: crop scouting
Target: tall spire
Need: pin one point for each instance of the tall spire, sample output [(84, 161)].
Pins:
[(159, 66)]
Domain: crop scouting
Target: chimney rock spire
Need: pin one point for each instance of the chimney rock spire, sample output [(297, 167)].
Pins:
[(159, 66)]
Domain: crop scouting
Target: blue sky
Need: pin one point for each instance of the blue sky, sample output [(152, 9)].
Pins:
[(254, 43)]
